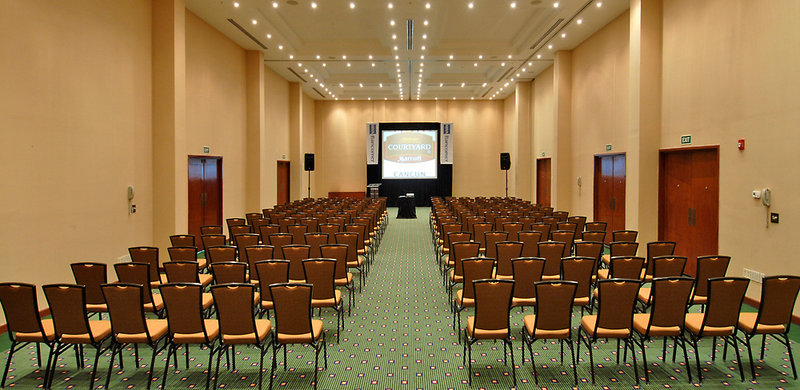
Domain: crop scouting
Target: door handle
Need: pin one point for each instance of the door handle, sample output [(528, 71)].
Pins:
[(613, 203), (203, 198)]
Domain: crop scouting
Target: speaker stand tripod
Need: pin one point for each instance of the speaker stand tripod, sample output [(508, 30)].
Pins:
[(309, 184), (506, 183)]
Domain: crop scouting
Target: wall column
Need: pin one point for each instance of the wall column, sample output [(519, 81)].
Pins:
[(561, 170), (523, 148), (644, 135), (256, 161), (170, 163)]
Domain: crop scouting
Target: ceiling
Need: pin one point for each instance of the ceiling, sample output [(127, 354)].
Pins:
[(408, 49)]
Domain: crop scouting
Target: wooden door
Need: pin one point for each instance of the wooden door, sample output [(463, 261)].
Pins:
[(205, 193), (609, 192), (543, 181), (283, 182), (689, 202)]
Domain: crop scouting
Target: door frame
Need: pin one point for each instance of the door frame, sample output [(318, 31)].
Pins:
[(550, 177), (218, 159), (661, 182), (596, 181)]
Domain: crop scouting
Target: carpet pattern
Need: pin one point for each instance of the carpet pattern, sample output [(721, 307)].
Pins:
[(400, 336)]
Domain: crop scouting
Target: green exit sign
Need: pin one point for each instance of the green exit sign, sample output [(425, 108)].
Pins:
[(686, 139)]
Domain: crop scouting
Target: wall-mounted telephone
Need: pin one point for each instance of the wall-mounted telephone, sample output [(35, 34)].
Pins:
[(766, 197), (131, 192)]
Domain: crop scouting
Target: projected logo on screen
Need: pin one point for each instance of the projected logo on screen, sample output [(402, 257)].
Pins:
[(409, 154)]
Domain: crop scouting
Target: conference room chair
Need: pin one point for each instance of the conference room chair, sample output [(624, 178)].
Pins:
[(725, 296), (321, 274), (669, 297), (267, 230), (442, 248), (662, 267), (774, 316), (231, 272), (256, 253), (622, 267), (137, 273), (238, 324), (525, 272), (544, 228), (256, 225), (513, 229), (593, 249), (267, 212), (243, 241), (296, 253), (295, 325), (337, 220), (221, 254), (363, 244), (235, 231), (182, 240), (276, 215), (565, 236), (505, 252), (130, 326), (312, 224), (186, 272), (530, 240), (251, 217), (579, 270), (187, 253), (491, 319), (552, 320), (561, 215), (342, 278), (354, 261), (149, 255), (298, 232), (552, 222), (285, 222), (595, 236), (459, 251), (491, 239), (527, 222), (469, 222), (279, 240), (92, 276), (231, 222), (185, 307), (315, 241), (67, 304), (578, 220), (479, 230), (210, 229), (552, 252), (657, 249), (475, 268), (498, 220), (210, 240), (614, 319), (595, 226), (330, 228), (624, 235), (708, 267), (567, 226), (270, 272), (620, 249), (25, 326)]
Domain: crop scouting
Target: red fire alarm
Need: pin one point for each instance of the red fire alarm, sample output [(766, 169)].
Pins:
[(740, 144)]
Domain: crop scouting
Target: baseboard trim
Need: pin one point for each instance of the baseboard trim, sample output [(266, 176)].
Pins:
[(755, 303), (42, 313)]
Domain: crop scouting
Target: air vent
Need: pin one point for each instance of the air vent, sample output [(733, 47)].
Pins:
[(296, 74), (410, 33), (487, 92), (505, 74), (247, 33), (318, 92), (547, 33)]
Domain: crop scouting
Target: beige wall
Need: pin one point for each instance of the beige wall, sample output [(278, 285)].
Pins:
[(510, 136), (341, 141), (543, 120), (730, 72), (599, 105), (216, 107), (276, 114), (75, 119)]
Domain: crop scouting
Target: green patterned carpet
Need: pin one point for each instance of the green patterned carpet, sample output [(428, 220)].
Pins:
[(400, 337)]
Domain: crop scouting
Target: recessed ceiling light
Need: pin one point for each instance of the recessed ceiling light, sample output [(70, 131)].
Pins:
[(397, 57), (348, 64), (341, 85), (484, 84), (395, 48), (454, 98), (385, 98), (291, 56), (441, 85), (421, 64), (422, 57), (555, 5), (317, 56), (462, 85), (236, 4), (512, 79), (352, 5), (427, 5), (280, 47), (305, 70), (472, 98), (324, 65), (599, 3), (274, 4), (361, 85), (255, 21), (580, 21), (423, 47), (523, 69), (471, 5), (513, 4), (394, 36), (425, 22), (509, 56), (398, 70), (269, 36), (373, 64), (424, 36), (352, 98), (396, 64), (502, 64), (380, 85), (451, 56), (300, 64), (391, 22), (344, 57), (550, 47), (563, 35), (475, 65), (448, 64), (480, 57), (518, 74), (313, 4), (390, 6)]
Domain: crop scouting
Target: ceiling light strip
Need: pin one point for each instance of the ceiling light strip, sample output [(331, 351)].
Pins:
[(410, 33), (296, 74)]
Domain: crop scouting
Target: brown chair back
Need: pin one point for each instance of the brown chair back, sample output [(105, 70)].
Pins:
[(149, 255), (513, 229), (475, 268), (565, 236), (229, 272), (126, 308), (267, 230), (709, 267), (182, 253), (315, 241), (624, 235), (351, 240), (616, 299), (221, 253), (596, 226), (506, 251), (491, 239), (725, 296), (270, 272), (279, 240), (561, 215), (579, 221), (210, 240), (492, 305), (623, 248), (552, 252), (580, 270), (296, 254), (292, 303), (460, 251), (337, 252), (91, 275), (568, 226), (210, 229), (243, 241), (182, 240), (479, 230), (543, 228), (320, 273), (184, 304), (285, 222), (778, 294), (669, 298), (554, 304), (667, 266), (68, 309), (330, 228), (298, 232), (256, 253), (234, 302), (21, 310), (236, 230), (181, 272), (595, 236), (135, 273), (626, 267), (530, 240), (311, 223), (526, 272)]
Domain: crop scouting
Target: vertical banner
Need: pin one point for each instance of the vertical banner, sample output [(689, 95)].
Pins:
[(372, 144), (446, 144)]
